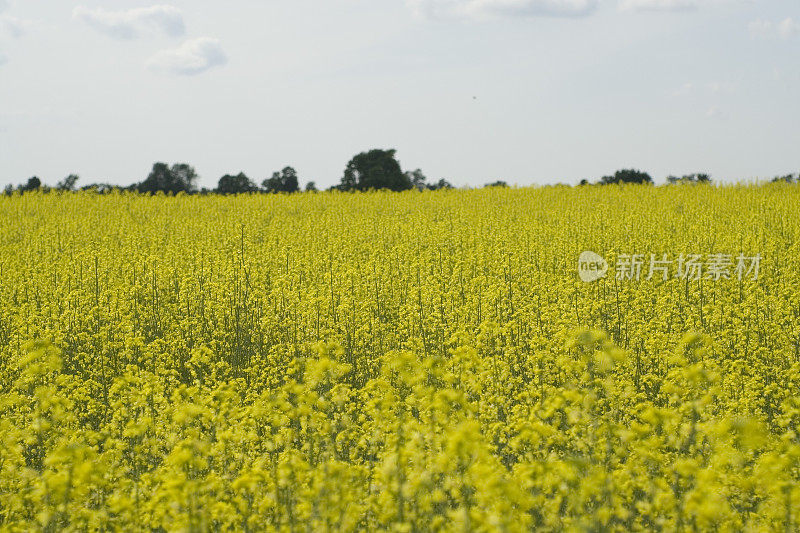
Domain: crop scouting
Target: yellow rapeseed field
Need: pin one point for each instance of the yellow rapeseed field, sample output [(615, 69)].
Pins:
[(399, 361)]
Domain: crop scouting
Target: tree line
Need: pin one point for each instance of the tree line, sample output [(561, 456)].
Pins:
[(637, 176), (175, 179), (374, 169)]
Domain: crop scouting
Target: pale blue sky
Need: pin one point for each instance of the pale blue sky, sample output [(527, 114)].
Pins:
[(528, 91)]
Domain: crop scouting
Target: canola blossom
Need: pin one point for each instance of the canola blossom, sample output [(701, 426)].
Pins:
[(418, 361)]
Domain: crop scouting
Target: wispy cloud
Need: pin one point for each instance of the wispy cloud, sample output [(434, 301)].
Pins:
[(706, 94), (788, 28), (705, 89), (760, 28), (715, 113), (785, 29), (501, 8), (12, 26), (132, 23), (683, 90), (192, 57), (3, 7), (658, 5)]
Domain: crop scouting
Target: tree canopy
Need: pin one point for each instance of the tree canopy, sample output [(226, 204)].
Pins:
[(68, 183), (284, 181), (420, 182), (689, 178), (627, 176), (375, 169), (32, 184), (240, 183), (163, 178)]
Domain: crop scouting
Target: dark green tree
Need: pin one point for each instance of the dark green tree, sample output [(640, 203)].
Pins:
[(626, 176), (68, 183), (240, 183), (33, 184), (441, 184), (689, 178), (420, 182), (311, 187), (284, 181), (498, 183), (417, 179), (376, 169), (106, 188), (179, 178), (185, 176)]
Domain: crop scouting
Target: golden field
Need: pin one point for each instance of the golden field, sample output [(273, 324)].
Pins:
[(398, 361)]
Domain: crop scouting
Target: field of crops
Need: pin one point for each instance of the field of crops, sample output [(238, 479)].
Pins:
[(402, 361)]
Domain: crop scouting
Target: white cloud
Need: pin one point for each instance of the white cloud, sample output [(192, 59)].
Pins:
[(760, 28), (132, 23), (710, 88), (788, 28), (785, 29), (9, 26), (716, 113), (684, 89), (192, 57), (672, 5), (657, 5), (717, 87), (498, 8), (12, 26)]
